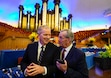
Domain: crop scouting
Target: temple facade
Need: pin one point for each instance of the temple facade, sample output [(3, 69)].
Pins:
[(52, 18)]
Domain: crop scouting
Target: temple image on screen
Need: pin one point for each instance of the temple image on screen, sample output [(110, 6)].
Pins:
[(52, 18)]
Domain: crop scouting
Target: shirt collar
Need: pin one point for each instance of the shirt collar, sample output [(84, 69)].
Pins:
[(68, 48), (40, 45)]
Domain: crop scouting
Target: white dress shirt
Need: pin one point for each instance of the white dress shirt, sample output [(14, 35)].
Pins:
[(67, 50), (39, 50)]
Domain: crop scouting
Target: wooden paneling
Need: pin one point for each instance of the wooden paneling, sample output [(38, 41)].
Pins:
[(14, 43)]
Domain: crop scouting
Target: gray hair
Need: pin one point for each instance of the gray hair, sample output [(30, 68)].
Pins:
[(41, 28), (69, 34)]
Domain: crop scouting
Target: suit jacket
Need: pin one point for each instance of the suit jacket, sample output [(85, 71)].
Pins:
[(49, 59), (77, 66)]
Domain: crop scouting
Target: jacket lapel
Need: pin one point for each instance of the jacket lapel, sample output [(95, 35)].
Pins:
[(70, 54)]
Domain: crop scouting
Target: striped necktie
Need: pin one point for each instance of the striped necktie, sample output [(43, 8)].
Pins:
[(41, 54)]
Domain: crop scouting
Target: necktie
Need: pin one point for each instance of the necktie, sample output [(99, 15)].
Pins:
[(41, 54), (63, 53)]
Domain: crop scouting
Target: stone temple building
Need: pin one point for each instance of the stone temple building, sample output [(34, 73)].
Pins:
[(52, 18)]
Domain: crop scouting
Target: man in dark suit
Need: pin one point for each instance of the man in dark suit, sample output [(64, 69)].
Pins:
[(37, 65), (75, 65)]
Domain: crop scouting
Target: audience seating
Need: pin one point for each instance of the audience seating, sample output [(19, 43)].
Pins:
[(10, 58)]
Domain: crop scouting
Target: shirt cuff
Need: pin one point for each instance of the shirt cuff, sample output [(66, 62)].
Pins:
[(45, 71), (25, 73)]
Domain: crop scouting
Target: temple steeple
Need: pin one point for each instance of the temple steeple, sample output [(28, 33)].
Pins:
[(37, 6), (70, 21), (44, 12), (50, 17), (57, 21), (21, 8)]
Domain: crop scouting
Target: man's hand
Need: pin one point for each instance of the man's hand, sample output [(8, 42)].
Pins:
[(62, 67), (34, 69)]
